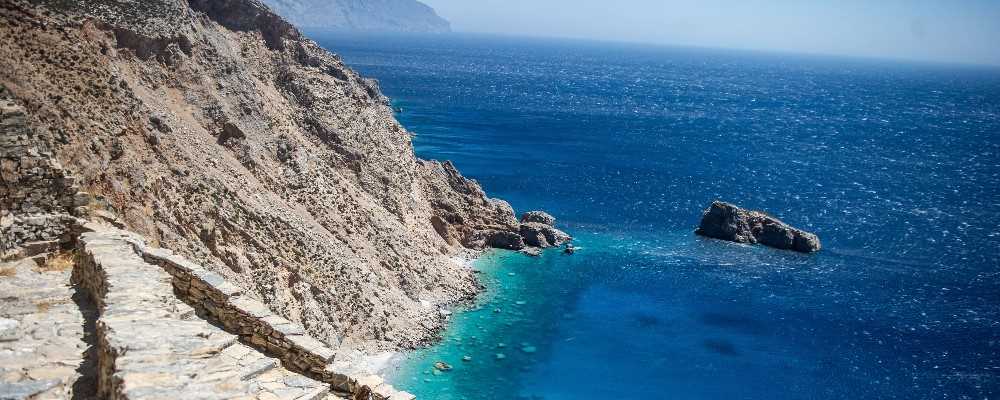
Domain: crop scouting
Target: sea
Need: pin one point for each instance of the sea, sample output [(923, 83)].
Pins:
[(895, 165)]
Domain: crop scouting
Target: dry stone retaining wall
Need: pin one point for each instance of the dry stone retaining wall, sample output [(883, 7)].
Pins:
[(254, 322), (38, 199), (139, 289)]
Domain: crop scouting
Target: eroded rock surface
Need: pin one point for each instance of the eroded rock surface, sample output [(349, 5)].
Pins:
[(541, 217), (729, 222)]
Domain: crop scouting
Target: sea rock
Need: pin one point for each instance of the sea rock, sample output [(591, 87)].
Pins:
[(533, 234), (442, 366), (541, 235), (541, 217), (505, 240), (728, 222)]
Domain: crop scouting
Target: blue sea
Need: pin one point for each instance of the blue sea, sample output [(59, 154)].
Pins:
[(896, 166)]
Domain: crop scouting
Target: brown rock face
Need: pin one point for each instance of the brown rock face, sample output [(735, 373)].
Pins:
[(728, 222), (215, 129)]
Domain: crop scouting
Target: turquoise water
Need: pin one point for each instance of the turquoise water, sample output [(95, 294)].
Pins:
[(896, 166)]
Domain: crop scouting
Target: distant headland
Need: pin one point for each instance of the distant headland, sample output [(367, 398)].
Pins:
[(410, 16)]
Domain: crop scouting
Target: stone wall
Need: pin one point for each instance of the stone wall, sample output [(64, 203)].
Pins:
[(221, 301), (133, 286), (38, 199)]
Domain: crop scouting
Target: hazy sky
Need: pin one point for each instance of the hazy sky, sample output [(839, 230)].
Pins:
[(937, 30)]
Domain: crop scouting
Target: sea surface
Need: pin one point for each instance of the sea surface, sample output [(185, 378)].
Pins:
[(896, 166)]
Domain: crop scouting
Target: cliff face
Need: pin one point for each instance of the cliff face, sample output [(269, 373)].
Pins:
[(215, 129), (362, 15)]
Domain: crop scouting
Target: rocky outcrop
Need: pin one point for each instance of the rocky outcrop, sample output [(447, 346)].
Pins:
[(362, 15), (215, 129), (463, 214), (538, 230), (540, 217), (728, 222)]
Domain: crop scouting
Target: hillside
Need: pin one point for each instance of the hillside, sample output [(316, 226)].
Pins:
[(214, 129)]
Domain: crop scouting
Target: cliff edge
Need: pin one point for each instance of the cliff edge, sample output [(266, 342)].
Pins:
[(215, 129)]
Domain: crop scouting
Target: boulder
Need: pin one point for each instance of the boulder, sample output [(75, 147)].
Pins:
[(505, 240), (555, 237), (230, 131), (532, 251), (728, 222), (540, 235), (541, 217), (533, 235)]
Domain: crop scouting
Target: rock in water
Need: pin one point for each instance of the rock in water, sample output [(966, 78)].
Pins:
[(729, 222), (541, 217), (442, 366), (532, 251), (540, 235)]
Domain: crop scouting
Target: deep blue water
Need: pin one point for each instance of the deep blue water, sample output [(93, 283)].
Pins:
[(896, 166)]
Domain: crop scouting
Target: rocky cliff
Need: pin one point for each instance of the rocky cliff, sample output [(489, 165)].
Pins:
[(362, 15), (214, 129)]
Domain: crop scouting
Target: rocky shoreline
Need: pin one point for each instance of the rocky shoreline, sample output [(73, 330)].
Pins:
[(216, 130)]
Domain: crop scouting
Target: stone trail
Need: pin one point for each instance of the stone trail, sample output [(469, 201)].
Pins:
[(46, 328), (123, 321)]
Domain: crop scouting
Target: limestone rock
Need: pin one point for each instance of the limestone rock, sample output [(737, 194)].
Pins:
[(541, 217), (506, 240), (541, 235), (729, 222)]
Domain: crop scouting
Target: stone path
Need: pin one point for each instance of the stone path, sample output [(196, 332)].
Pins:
[(151, 345), (102, 322), (45, 326)]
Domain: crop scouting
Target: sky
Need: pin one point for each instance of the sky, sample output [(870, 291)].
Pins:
[(958, 31)]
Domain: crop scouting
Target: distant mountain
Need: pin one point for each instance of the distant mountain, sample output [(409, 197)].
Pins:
[(362, 15)]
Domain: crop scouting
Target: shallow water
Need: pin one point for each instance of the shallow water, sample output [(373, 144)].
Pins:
[(896, 166)]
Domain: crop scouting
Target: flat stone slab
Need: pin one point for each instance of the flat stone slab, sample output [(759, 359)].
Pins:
[(42, 335)]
